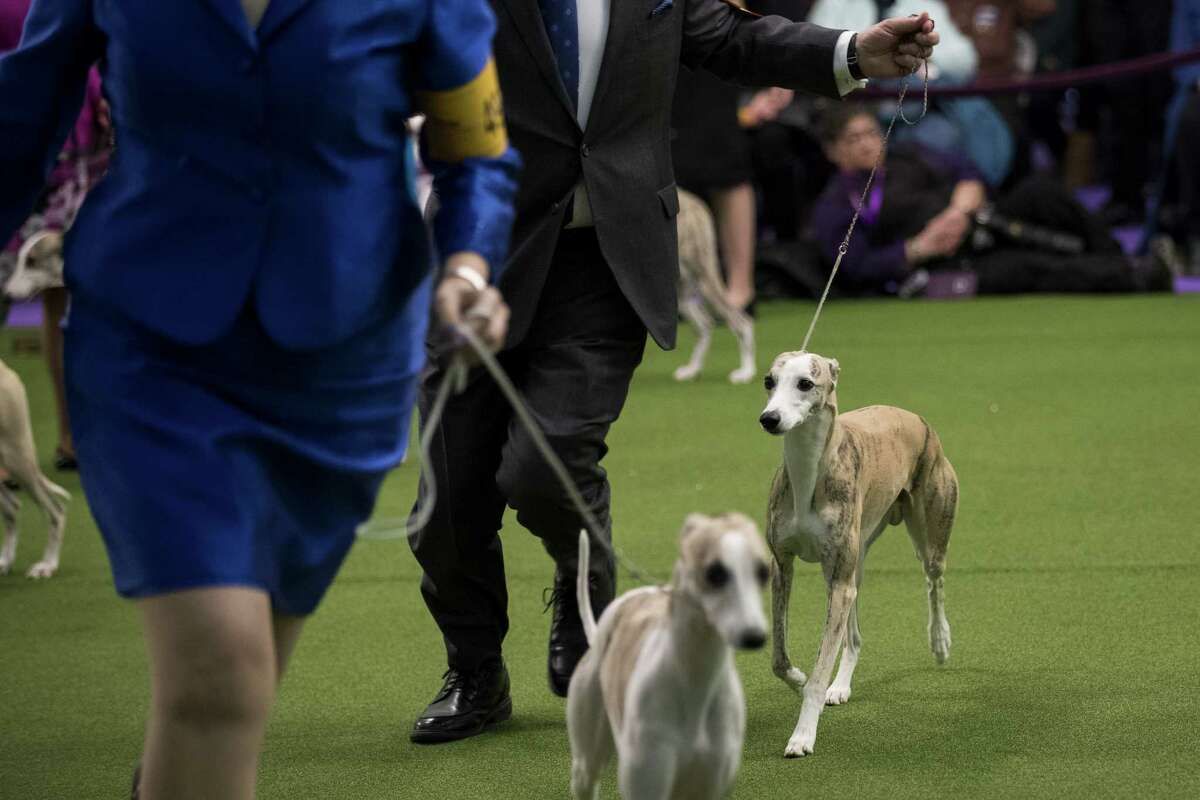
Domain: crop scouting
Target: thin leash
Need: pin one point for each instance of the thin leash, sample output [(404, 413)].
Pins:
[(455, 381), (844, 247)]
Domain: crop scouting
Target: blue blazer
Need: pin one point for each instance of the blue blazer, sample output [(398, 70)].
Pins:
[(269, 166)]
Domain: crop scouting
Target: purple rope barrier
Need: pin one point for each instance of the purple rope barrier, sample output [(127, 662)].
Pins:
[(1057, 80)]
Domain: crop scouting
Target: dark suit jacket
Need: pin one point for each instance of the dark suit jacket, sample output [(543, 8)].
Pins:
[(624, 156)]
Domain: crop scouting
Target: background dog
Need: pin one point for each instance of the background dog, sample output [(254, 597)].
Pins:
[(39, 266), (17, 455), (701, 290), (658, 681), (844, 479)]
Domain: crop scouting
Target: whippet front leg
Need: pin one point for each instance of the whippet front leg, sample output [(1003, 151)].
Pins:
[(647, 765), (781, 595), (842, 593)]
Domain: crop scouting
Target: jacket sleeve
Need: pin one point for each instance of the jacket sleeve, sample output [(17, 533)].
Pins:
[(42, 86), (740, 47), (464, 142)]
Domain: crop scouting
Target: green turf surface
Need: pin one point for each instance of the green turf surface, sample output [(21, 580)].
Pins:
[(1073, 586)]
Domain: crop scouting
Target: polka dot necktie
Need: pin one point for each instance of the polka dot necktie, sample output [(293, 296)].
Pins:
[(562, 26)]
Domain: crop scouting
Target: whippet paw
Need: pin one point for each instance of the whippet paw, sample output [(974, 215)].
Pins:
[(42, 569), (741, 376), (800, 745), (686, 373), (939, 643), (5, 567), (837, 695), (794, 678)]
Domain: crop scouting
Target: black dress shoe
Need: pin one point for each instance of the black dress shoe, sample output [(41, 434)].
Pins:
[(567, 640), (468, 702)]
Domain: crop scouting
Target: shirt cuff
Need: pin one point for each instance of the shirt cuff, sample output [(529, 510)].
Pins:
[(841, 66)]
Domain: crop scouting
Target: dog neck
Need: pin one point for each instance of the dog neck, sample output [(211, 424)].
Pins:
[(806, 449), (695, 644)]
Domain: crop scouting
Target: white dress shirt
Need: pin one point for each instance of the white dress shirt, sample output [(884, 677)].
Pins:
[(593, 16)]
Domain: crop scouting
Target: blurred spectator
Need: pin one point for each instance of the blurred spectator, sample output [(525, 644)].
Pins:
[(921, 216), (992, 26), (1057, 41), (1133, 108), (970, 125), (1006, 50), (1184, 125), (954, 60), (712, 155)]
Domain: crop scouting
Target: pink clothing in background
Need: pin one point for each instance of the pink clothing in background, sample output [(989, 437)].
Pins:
[(84, 157)]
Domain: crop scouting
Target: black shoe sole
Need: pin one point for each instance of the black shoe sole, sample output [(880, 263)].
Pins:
[(502, 713)]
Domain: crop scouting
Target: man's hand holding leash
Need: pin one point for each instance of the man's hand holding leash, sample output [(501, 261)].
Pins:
[(464, 298), (895, 47)]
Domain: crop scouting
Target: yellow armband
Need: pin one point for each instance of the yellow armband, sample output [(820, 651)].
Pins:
[(466, 122)]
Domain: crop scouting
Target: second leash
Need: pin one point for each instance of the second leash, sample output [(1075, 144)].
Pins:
[(455, 381)]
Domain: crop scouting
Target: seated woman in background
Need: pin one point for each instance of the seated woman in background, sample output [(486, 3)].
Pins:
[(924, 214)]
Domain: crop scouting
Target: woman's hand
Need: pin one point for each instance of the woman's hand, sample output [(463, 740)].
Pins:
[(895, 47), (464, 298)]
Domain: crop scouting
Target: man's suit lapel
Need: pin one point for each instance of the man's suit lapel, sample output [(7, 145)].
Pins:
[(230, 12), (528, 21), (621, 17), (278, 14)]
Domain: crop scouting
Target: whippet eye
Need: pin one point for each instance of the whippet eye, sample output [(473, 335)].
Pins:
[(805, 385), (769, 383), (716, 575), (763, 573)]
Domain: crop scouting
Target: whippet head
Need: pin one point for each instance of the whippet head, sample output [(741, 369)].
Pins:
[(723, 566), (799, 386)]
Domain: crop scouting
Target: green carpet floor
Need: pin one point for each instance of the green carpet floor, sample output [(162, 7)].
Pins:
[(1073, 586)]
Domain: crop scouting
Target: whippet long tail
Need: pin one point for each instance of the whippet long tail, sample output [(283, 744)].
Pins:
[(582, 593)]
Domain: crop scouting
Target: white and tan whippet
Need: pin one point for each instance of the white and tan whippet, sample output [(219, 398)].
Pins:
[(17, 455), (844, 479), (658, 682)]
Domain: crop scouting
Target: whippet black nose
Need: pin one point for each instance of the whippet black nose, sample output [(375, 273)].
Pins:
[(769, 420), (752, 640)]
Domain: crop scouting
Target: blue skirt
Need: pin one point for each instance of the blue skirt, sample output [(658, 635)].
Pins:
[(236, 463)]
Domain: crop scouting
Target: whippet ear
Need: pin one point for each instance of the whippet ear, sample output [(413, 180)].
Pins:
[(693, 523), (834, 370)]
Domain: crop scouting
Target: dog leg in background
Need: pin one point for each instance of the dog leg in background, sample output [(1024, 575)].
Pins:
[(842, 594), (693, 310), (9, 505), (781, 595), (18, 456), (743, 329), (53, 501)]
